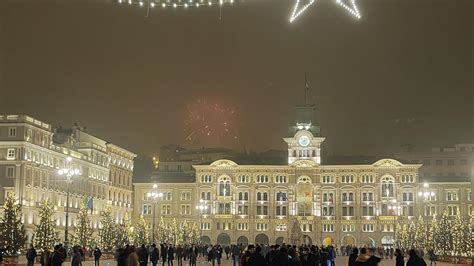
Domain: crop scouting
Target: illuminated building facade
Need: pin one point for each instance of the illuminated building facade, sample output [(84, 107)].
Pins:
[(332, 204), (32, 152)]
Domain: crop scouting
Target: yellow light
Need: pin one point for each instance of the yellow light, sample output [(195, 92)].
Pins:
[(152, 4)]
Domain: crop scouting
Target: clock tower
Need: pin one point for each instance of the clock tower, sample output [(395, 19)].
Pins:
[(306, 141)]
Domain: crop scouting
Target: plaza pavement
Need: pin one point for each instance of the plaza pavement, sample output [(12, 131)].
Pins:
[(340, 261)]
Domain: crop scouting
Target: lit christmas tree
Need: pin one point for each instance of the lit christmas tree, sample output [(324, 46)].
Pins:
[(141, 232), (420, 234), (12, 231), (403, 241), (461, 235), (431, 238), (443, 237), (296, 235), (163, 231), (194, 234), (83, 230), (175, 234), (45, 234), (185, 232), (108, 232)]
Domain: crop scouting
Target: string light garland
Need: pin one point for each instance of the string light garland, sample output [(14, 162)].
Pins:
[(350, 7), (174, 3)]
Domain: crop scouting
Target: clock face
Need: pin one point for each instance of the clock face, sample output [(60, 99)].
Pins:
[(303, 141)]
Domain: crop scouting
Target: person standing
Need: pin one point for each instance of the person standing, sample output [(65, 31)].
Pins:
[(179, 255), (76, 257), (142, 254), (227, 251), (31, 255), (193, 253), (56, 256), (154, 255), (97, 255), (432, 256), (414, 260), (353, 256), (164, 253), (45, 257), (132, 259), (170, 255), (235, 255)]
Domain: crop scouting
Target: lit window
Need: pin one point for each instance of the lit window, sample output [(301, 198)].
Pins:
[(347, 179), (10, 172), (348, 211), (451, 196), (408, 179), (262, 178), (185, 209), (146, 210), (452, 210), (306, 227), (368, 228), (280, 227), (328, 228), (11, 154), (348, 228), (262, 227), (12, 132), (166, 209), (281, 210), (206, 179), (280, 179), (328, 179), (243, 179), (367, 179)]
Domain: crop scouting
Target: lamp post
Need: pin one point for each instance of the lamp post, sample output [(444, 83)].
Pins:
[(201, 207), (69, 172), (154, 196)]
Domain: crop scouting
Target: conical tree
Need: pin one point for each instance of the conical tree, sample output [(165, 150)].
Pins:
[(108, 232), (403, 241), (45, 232), (296, 234), (12, 231), (194, 234), (163, 231), (175, 233), (443, 237), (141, 232), (83, 230), (185, 232), (420, 234), (461, 237), (431, 238), (127, 224)]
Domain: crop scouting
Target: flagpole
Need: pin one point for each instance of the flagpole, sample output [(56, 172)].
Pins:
[(305, 88)]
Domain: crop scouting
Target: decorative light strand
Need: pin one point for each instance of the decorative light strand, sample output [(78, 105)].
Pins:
[(176, 4), (351, 8)]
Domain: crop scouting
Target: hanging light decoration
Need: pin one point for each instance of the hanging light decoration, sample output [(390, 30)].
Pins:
[(175, 3), (301, 6)]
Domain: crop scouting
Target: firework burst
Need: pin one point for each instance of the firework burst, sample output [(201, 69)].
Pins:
[(205, 121)]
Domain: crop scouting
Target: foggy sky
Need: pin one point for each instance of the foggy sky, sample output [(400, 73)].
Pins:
[(401, 74)]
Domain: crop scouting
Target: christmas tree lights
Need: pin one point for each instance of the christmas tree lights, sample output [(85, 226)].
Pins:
[(108, 232), (12, 231), (142, 234), (83, 230), (45, 236), (300, 8)]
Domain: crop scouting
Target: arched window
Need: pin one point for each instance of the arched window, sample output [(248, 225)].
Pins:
[(224, 186), (304, 180), (387, 187)]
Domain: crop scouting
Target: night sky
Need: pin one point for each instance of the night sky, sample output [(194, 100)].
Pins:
[(402, 74)]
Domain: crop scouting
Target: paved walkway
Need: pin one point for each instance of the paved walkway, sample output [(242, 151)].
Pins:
[(340, 261)]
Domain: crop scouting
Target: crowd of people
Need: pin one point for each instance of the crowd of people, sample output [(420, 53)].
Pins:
[(240, 255)]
